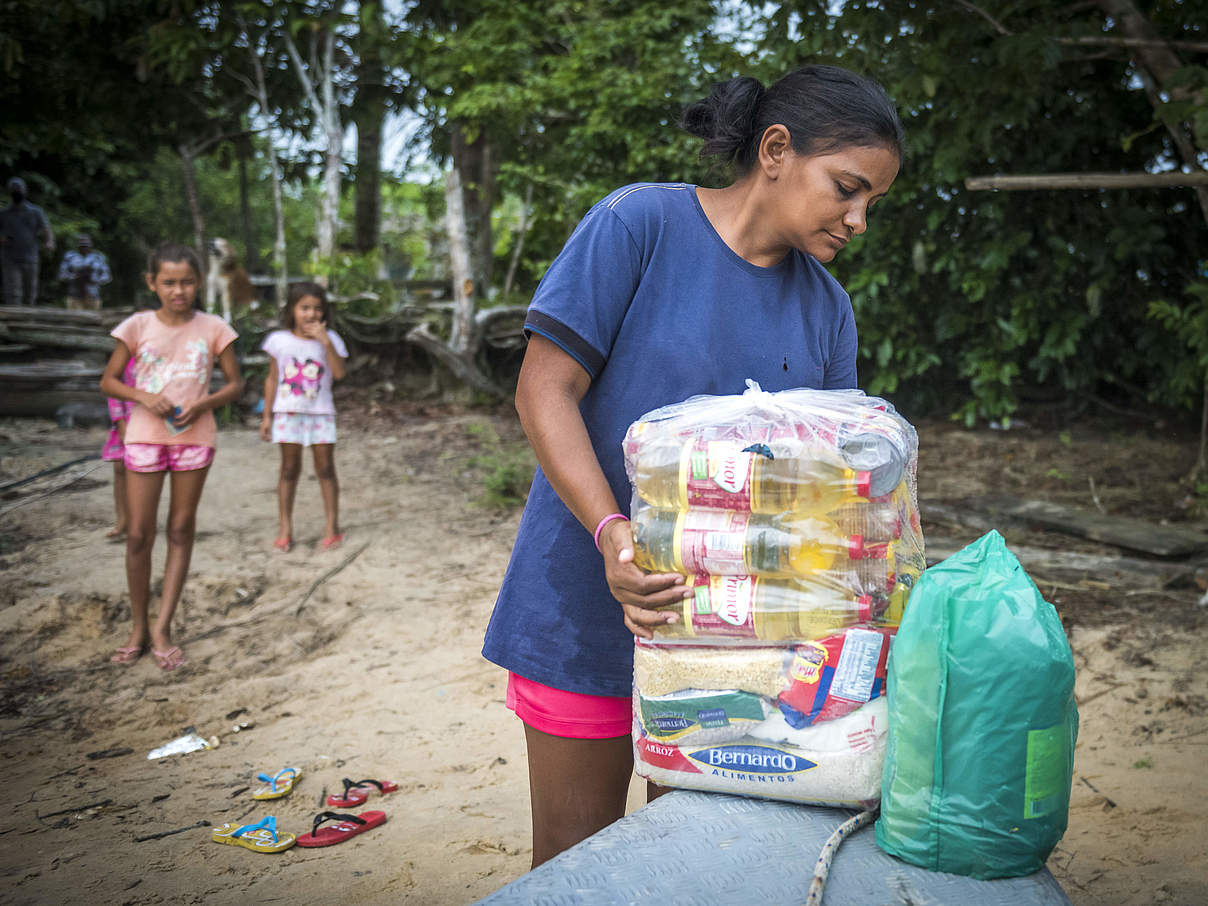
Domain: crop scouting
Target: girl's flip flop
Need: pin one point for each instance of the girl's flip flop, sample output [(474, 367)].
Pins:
[(170, 659), (348, 826), (127, 655), (357, 791), (280, 784), (261, 837)]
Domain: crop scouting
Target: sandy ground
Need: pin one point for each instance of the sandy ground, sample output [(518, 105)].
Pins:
[(373, 671)]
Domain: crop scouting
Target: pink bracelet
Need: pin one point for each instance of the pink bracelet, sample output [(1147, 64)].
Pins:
[(603, 522)]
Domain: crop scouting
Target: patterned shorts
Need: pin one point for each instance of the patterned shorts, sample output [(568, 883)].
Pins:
[(167, 457), (300, 428), (113, 451)]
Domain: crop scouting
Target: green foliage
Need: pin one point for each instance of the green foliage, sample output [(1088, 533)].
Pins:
[(1188, 324), (977, 294), (963, 298), (506, 469), (577, 97)]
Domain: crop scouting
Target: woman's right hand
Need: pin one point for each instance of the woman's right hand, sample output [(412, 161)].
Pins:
[(639, 593), (266, 429), (158, 404)]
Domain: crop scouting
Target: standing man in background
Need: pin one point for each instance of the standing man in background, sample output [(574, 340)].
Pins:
[(22, 226), (84, 270)]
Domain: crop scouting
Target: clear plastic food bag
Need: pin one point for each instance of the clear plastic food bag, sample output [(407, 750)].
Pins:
[(793, 514)]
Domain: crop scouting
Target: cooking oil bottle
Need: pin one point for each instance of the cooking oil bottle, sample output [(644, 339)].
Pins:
[(727, 542), (767, 608)]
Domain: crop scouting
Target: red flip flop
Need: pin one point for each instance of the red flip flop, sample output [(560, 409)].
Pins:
[(356, 792), (347, 826)]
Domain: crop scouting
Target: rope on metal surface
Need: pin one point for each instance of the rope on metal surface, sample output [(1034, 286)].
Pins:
[(822, 868)]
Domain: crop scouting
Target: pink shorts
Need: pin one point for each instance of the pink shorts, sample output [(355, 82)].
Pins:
[(570, 714), (167, 457)]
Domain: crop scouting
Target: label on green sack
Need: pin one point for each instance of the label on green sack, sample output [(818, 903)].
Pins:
[(1047, 768)]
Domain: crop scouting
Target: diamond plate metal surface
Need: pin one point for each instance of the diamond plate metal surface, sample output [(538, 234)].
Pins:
[(711, 849)]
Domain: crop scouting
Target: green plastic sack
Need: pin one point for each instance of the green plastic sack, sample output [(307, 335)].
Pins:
[(982, 721)]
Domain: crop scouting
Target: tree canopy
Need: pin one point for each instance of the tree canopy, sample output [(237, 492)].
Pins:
[(965, 300)]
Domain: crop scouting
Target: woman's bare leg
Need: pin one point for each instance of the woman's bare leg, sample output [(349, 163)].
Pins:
[(577, 787), (329, 487), (182, 522)]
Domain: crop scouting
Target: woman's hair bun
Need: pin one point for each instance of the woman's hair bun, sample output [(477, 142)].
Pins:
[(823, 108), (726, 118)]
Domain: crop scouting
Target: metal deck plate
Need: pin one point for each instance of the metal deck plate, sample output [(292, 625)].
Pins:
[(711, 849)]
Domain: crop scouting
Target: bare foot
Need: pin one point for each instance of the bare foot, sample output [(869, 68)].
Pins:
[(117, 533)]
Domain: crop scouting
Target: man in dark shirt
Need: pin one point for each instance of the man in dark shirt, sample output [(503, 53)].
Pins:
[(22, 227)]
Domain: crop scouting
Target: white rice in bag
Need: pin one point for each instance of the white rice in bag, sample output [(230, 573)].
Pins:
[(839, 765)]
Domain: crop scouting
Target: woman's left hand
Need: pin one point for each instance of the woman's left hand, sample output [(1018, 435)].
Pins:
[(648, 600), (315, 330)]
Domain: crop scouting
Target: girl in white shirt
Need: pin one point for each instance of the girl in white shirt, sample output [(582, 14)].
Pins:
[(304, 359)]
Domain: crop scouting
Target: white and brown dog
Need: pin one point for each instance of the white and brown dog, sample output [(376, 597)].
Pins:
[(227, 281)]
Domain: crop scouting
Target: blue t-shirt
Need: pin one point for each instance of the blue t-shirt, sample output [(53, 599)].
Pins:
[(649, 299)]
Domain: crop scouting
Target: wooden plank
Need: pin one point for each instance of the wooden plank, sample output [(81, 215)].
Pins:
[(1118, 531), (49, 372), (1089, 181), (62, 338), (45, 314)]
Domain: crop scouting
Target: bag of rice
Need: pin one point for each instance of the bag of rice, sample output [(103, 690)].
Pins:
[(836, 763), (700, 716)]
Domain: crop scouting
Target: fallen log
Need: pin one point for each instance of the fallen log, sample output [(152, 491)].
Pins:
[(1118, 531), (62, 337), (1092, 571), (50, 372), (45, 314)]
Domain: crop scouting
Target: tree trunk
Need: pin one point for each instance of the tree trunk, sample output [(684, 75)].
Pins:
[(461, 339), (251, 253), (326, 110), (1160, 62), (330, 113), (521, 232), (473, 162), (369, 113), (188, 166), (281, 286), (458, 355)]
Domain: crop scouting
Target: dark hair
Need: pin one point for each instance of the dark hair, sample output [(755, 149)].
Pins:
[(298, 292), (176, 253), (823, 107)]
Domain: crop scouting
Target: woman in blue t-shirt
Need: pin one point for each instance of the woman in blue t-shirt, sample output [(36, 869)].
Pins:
[(665, 291)]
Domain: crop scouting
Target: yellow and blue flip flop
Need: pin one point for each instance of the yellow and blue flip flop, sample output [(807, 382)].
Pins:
[(280, 784), (261, 837)]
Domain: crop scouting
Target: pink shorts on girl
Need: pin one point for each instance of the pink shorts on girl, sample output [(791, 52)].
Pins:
[(569, 714), (167, 457)]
